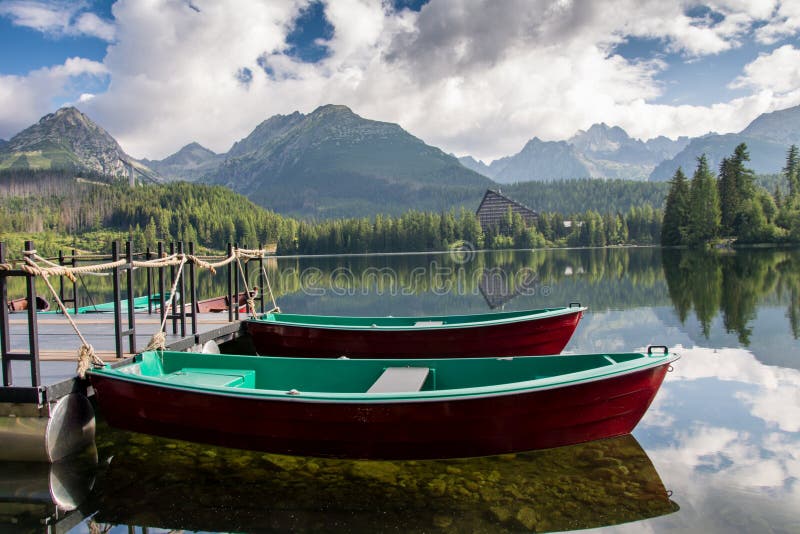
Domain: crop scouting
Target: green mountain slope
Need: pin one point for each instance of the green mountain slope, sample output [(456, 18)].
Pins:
[(332, 163)]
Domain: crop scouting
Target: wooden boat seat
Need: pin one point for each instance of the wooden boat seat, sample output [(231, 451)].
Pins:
[(400, 380), (212, 377)]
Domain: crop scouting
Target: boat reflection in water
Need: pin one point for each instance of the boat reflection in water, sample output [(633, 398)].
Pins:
[(154, 482), (37, 497)]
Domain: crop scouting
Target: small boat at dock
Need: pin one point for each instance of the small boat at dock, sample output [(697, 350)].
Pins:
[(529, 332), (21, 304), (381, 409), (221, 304)]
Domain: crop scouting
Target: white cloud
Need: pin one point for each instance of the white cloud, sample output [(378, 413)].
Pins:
[(57, 18), (471, 76), (784, 22), (777, 71), (24, 99)]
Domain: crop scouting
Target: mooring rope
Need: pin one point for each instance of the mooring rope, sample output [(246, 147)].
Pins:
[(159, 339), (87, 357), (275, 307), (54, 269), (251, 302)]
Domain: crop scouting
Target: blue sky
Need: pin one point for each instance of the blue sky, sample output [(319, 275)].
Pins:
[(470, 76)]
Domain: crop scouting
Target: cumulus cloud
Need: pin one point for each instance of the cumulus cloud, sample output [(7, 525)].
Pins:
[(24, 99), (720, 475), (57, 18), (777, 71), (784, 22), (471, 76)]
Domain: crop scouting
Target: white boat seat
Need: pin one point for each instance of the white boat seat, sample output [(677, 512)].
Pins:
[(400, 380), (429, 323)]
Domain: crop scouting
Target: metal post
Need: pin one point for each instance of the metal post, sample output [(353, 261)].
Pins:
[(182, 286), (5, 334), (231, 267), (246, 280), (116, 297), (193, 291), (235, 297), (172, 315), (33, 329), (74, 263), (131, 308), (161, 297), (261, 291), (149, 275), (61, 262)]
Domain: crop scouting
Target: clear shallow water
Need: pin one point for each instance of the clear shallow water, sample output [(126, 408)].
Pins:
[(722, 436)]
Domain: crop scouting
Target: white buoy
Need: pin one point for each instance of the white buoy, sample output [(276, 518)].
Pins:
[(210, 347)]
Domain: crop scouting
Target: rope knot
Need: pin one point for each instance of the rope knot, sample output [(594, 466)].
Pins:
[(157, 342), (87, 359)]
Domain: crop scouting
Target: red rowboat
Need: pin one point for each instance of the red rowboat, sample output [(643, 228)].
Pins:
[(221, 304), (21, 304), (530, 332), (388, 409)]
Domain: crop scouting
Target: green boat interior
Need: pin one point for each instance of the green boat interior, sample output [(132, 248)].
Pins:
[(301, 376), (409, 322)]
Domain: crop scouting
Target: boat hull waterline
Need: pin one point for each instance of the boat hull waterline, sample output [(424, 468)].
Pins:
[(430, 427), (535, 332)]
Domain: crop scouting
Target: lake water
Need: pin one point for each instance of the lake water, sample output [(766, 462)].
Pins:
[(718, 450)]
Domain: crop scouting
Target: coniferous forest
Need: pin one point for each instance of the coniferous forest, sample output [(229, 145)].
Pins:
[(730, 206), (61, 210)]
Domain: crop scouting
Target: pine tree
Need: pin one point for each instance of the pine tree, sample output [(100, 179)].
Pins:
[(745, 182), (704, 207), (676, 212), (792, 172), (728, 196)]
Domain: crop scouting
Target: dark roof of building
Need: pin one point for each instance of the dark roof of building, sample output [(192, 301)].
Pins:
[(495, 205)]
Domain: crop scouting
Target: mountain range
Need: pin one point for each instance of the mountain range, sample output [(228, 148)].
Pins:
[(604, 151), (332, 162), (190, 163), (768, 138), (328, 163)]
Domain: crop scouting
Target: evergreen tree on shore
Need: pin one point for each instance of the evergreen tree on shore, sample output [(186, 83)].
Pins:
[(704, 205), (728, 196), (792, 172), (676, 211), (744, 179)]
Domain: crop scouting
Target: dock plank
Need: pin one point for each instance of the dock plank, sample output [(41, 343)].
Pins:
[(58, 341)]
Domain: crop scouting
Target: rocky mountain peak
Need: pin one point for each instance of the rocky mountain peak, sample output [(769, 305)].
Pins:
[(67, 138), (782, 126)]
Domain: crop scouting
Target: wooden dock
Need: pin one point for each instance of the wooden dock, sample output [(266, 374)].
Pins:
[(59, 343), (45, 413), (55, 333)]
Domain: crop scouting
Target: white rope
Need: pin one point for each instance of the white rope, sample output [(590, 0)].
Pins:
[(159, 339), (251, 303), (87, 357), (275, 307)]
